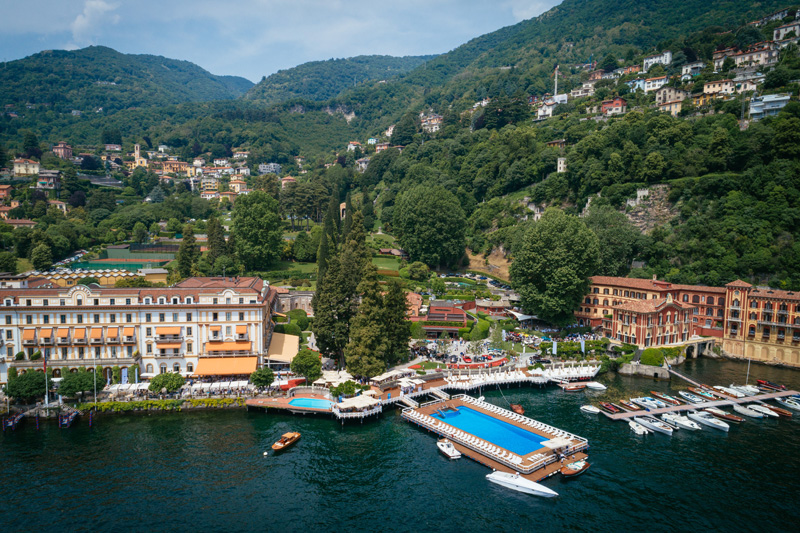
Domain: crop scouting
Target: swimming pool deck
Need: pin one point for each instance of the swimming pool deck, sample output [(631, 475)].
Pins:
[(536, 465), (283, 403)]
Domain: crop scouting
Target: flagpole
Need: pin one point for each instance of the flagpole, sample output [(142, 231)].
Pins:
[(46, 391)]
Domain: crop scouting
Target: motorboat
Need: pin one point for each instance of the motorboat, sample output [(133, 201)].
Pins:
[(770, 385), (727, 391), (705, 394), (629, 406), (574, 469), (287, 440), (763, 409), (648, 402), (783, 413), (719, 413), (747, 390), (653, 424), (746, 411), (65, 420), (447, 448), (11, 422), (638, 428), (595, 385), (520, 484), (707, 419), (574, 387), (680, 421), (517, 408), (788, 403), (688, 396), (591, 409), (665, 398), (611, 408)]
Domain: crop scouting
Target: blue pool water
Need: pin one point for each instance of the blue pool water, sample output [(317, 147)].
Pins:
[(313, 403), (493, 430)]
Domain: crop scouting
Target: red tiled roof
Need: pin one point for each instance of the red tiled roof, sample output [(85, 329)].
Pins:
[(650, 306), (739, 283)]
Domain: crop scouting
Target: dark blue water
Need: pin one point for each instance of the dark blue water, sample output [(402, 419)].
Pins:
[(205, 471)]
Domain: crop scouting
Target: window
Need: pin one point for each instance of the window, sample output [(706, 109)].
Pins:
[(214, 301), (28, 303), (96, 319), (176, 367), (45, 302), (241, 301), (188, 317), (189, 347), (127, 301), (188, 332), (80, 301), (626, 294), (215, 316), (161, 300), (97, 352), (685, 297), (63, 353), (189, 300), (63, 319), (80, 319), (149, 368), (81, 352), (62, 302), (112, 301), (227, 330), (163, 368), (149, 349), (8, 320), (113, 351), (174, 317), (128, 317), (241, 316), (148, 332), (605, 291), (147, 317), (227, 317), (148, 301), (595, 301), (695, 299), (189, 367), (227, 301), (710, 300), (175, 301), (9, 334), (112, 318), (46, 319), (29, 319), (161, 317), (97, 301)]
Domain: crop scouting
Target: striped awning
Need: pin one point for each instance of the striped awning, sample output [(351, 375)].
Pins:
[(63, 332), (168, 331), (79, 333), (45, 333), (241, 329), (97, 333), (127, 332), (112, 333), (29, 334)]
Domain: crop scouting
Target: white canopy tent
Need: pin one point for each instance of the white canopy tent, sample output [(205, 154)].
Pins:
[(556, 443), (358, 402)]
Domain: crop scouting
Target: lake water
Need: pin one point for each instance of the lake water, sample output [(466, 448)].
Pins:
[(206, 471)]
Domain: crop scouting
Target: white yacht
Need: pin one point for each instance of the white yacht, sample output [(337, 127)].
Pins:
[(691, 397), (519, 483), (707, 419), (680, 421), (764, 410), (789, 403), (638, 428), (647, 402), (595, 385), (447, 448), (653, 424), (746, 411), (747, 390), (591, 409)]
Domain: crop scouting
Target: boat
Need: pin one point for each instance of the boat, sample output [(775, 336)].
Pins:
[(517, 408), (574, 469), (708, 395), (574, 387), (595, 385), (783, 413), (763, 409), (648, 402), (653, 424), (629, 406), (747, 390), (288, 439), (789, 404), (770, 385), (727, 391), (611, 408), (66, 420), (11, 423), (746, 411), (520, 484), (719, 413), (691, 397), (591, 409), (447, 448), (617, 407), (638, 428), (707, 419), (680, 421), (665, 398)]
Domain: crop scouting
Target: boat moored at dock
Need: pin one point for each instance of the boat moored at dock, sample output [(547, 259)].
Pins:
[(591, 409), (665, 398), (653, 424), (763, 409), (707, 419), (746, 411), (447, 448), (520, 484), (638, 428), (693, 398), (574, 469), (719, 413), (788, 403), (680, 421)]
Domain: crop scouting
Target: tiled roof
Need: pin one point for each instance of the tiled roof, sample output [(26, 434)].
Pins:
[(739, 283), (650, 306), (774, 293)]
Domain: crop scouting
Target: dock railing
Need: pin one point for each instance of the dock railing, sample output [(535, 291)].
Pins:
[(356, 414), (322, 391)]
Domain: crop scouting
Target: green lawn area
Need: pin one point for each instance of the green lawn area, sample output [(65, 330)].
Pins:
[(429, 365), (305, 268), (23, 265), (386, 263)]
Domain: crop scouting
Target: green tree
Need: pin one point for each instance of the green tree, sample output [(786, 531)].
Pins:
[(263, 377), (8, 262), (404, 130), (257, 229), (430, 225), (174, 225), (42, 257), (307, 364), (216, 239), (609, 63), (397, 329), (26, 387), (366, 353), (303, 250), (139, 232), (552, 264), (348, 216), (30, 145), (418, 271), (82, 381), (154, 229), (618, 238), (172, 381), (368, 210), (188, 253)]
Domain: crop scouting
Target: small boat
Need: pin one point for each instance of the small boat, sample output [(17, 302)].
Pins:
[(691, 397), (638, 428), (447, 448), (66, 420), (520, 484), (595, 385), (763, 409), (517, 408), (574, 387), (770, 385), (704, 394), (719, 413), (574, 469), (610, 407), (788, 403), (727, 391), (665, 397), (288, 439), (11, 423), (653, 424), (680, 421), (708, 419), (648, 402), (783, 413), (747, 390), (629, 406), (591, 409), (746, 411)]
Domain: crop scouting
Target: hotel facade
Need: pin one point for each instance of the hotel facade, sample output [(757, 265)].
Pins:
[(198, 327)]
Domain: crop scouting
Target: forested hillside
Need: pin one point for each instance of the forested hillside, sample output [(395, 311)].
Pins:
[(98, 77), (323, 80)]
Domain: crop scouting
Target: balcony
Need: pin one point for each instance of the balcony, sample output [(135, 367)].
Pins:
[(97, 341), (29, 342), (46, 341), (169, 338)]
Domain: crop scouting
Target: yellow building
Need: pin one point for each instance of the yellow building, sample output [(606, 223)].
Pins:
[(70, 278)]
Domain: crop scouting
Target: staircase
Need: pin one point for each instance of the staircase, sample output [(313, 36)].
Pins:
[(409, 402), (439, 393)]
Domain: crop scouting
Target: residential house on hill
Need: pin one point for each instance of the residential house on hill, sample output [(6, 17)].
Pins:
[(62, 150), (638, 83), (241, 155), (632, 69), (690, 70), (586, 89), (380, 147), (5, 192), (720, 55), (759, 54), (352, 145), (664, 58), (615, 106), (285, 182), (768, 105), (269, 168), (780, 33), (26, 167), (653, 84), (670, 94), (672, 107), (361, 164), (719, 87)]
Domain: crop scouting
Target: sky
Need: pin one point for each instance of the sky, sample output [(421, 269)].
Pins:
[(255, 38)]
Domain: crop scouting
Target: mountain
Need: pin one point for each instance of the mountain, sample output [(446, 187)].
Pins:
[(98, 76), (323, 80)]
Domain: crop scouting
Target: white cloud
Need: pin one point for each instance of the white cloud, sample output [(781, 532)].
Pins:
[(88, 24)]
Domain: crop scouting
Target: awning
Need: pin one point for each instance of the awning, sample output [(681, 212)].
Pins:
[(112, 333), (79, 333), (28, 334), (238, 346), (225, 366), (168, 345), (97, 333), (556, 443), (127, 332), (63, 332), (215, 328), (168, 331), (241, 330), (358, 402), (45, 333), (283, 347)]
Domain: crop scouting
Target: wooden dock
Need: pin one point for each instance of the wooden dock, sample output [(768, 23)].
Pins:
[(689, 407)]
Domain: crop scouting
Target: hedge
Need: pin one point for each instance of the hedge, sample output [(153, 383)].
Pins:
[(289, 329), (652, 357)]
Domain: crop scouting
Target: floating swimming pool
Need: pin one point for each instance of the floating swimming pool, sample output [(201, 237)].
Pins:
[(312, 403), (490, 429)]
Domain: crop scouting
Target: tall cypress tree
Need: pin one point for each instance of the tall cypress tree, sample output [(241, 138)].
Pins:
[(322, 257), (216, 239), (397, 329), (348, 216), (333, 211), (366, 353), (187, 252)]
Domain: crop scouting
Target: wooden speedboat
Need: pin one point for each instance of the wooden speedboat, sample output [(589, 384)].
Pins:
[(520, 484), (574, 387), (770, 385), (447, 448), (665, 397), (288, 439), (783, 413), (722, 415), (517, 408), (788, 403), (574, 469), (610, 407), (629, 406), (728, 392)]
